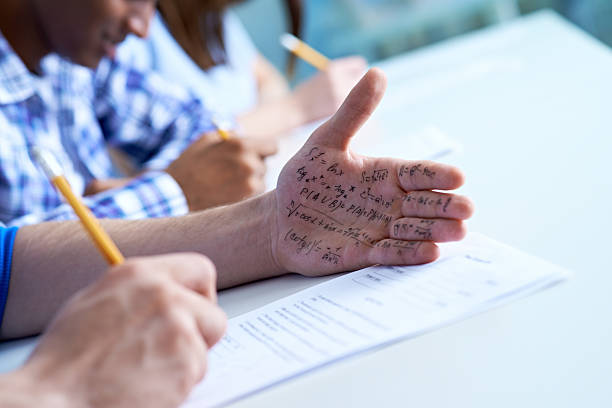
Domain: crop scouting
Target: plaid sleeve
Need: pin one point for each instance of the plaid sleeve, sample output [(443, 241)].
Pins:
[(153, 194), (148, 118)]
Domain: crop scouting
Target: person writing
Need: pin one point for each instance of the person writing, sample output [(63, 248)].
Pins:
[(49, 96), (203, 45)]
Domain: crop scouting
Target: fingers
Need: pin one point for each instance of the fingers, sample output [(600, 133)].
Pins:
[(251, 171), (431, 204), (247, 155), (181, 338), (195, 289), (264, 147), (438, 230), (210, 320), (398, 252), (196, 324), (193, 271), (253, 165), (428, 175), (251, 153), (354, 112)]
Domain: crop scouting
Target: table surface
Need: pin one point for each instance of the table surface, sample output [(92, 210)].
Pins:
[(530, 103)]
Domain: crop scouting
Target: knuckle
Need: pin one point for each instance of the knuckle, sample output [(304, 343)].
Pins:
[(177, 330), (160, 297), (191, 374), (195, 257), (131, 269), (236, 145), (196, 370), (208, 270), (215, 324), (248, 169), (220, 323), (253, 185)]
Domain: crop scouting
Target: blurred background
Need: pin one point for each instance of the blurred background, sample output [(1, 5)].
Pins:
[(379, 29)]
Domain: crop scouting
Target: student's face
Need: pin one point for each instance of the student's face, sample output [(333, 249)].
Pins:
[(87, 30)]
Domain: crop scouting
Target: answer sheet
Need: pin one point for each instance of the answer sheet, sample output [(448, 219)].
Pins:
[(363, 310)]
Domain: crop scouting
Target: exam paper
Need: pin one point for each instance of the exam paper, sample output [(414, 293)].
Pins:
[(364, 310)]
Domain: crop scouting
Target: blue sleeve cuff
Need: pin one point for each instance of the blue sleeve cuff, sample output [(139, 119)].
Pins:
[(7, 238)]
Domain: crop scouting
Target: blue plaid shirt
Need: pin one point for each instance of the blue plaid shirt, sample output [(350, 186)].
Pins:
[(75, 113)]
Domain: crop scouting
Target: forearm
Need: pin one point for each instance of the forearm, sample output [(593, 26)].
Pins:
[(52, 261), (271, 84), (237, 238), (20, 389)]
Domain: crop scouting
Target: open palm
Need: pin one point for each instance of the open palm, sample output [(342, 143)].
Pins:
[(339, 211)]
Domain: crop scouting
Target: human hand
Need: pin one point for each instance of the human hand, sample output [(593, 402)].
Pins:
[(99, 186), (339, 211), (138, 337), (221, 172), (321, 95)]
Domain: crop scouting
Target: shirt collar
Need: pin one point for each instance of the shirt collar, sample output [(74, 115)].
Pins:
[(15, 79)]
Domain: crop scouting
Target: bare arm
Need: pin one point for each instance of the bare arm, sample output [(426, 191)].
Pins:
[(332, 211), (52, 261), (271, 84)]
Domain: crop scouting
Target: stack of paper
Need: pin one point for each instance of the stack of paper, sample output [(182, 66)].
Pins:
[(363, 310)]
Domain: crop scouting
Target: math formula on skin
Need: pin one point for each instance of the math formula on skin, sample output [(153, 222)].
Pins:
[(335, 207)]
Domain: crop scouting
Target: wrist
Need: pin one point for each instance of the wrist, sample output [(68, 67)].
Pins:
[(268, 206), (256, 219), (249, 229), (27, 387)]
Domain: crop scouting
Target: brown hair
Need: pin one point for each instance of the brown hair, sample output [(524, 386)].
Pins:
[(197, 25), (294, 10)]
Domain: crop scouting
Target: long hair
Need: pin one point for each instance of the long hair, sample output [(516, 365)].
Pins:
[(197, 25), (294, 10)]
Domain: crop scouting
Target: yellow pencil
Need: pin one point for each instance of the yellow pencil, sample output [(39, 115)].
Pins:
[(221, 129), (53, 170), (304, 51)]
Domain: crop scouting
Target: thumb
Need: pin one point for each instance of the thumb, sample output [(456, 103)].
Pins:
[(354, 112)]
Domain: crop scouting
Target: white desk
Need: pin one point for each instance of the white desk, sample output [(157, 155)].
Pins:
[(531, 103)]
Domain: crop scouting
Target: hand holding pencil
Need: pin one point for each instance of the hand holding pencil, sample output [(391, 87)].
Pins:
[(323, 93)]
